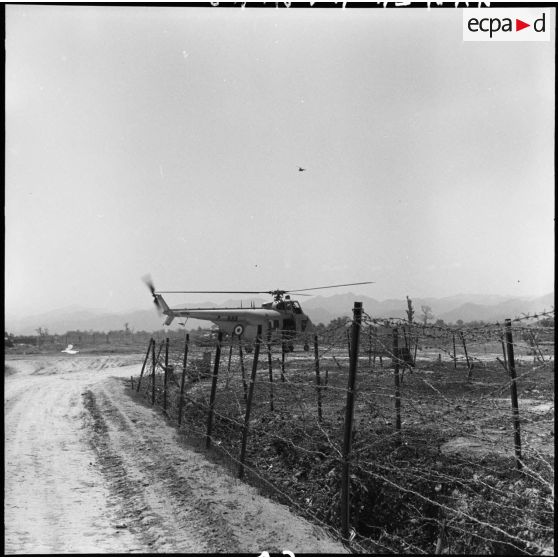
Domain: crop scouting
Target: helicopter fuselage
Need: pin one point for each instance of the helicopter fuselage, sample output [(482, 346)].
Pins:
[(283, 317)]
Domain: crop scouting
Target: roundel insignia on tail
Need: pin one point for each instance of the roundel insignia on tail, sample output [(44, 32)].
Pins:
[(238, 330)]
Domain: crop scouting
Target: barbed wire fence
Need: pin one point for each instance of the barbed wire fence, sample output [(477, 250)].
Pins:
[(396, 437)]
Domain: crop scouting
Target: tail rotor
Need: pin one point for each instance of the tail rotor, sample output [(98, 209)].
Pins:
[(151, 286)]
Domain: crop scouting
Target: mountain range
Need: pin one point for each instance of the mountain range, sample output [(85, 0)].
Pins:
[(466, 307)]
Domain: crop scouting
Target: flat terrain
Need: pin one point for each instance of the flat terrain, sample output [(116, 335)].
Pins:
[(89, 470)]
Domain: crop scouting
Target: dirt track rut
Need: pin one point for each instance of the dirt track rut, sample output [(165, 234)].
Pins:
[(88, 470)]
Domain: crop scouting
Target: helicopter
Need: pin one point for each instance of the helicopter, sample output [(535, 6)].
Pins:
[(283, 316)]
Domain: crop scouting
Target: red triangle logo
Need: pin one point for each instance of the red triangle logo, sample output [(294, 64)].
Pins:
[(519, 25)]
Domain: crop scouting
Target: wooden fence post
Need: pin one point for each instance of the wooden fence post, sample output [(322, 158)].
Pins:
[(270, 366), (504, 352), (369, 345), (513, 392), (470, 371), (397, 389), (243, 371), (153, 374), (283, 357), (249, 403), (416, 347), (165, 374), (454, 353), (155, 362), (144, 363), (349, 415), (229, 363), (318, 380), (213, 390), (183, 379)]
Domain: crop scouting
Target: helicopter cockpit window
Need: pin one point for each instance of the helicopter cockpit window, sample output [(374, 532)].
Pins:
[(296, 308)]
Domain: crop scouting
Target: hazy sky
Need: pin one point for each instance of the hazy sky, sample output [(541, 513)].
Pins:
[(168, 140)]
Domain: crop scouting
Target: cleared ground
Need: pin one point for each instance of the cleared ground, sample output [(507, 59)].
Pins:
[(88, 470)]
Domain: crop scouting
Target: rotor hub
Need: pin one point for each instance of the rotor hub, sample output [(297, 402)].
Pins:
[(278, 294)]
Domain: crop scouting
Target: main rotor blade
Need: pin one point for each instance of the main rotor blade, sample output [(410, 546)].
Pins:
[(274, 292), (214, 292), (296, 291)]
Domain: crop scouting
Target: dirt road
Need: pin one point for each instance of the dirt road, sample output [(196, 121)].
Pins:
[(88, 470)]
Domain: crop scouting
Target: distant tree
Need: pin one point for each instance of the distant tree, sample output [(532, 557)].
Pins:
[(42, 333), (338, 322), (459, 323), (440, 323), (410, 311), (426, 314)]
